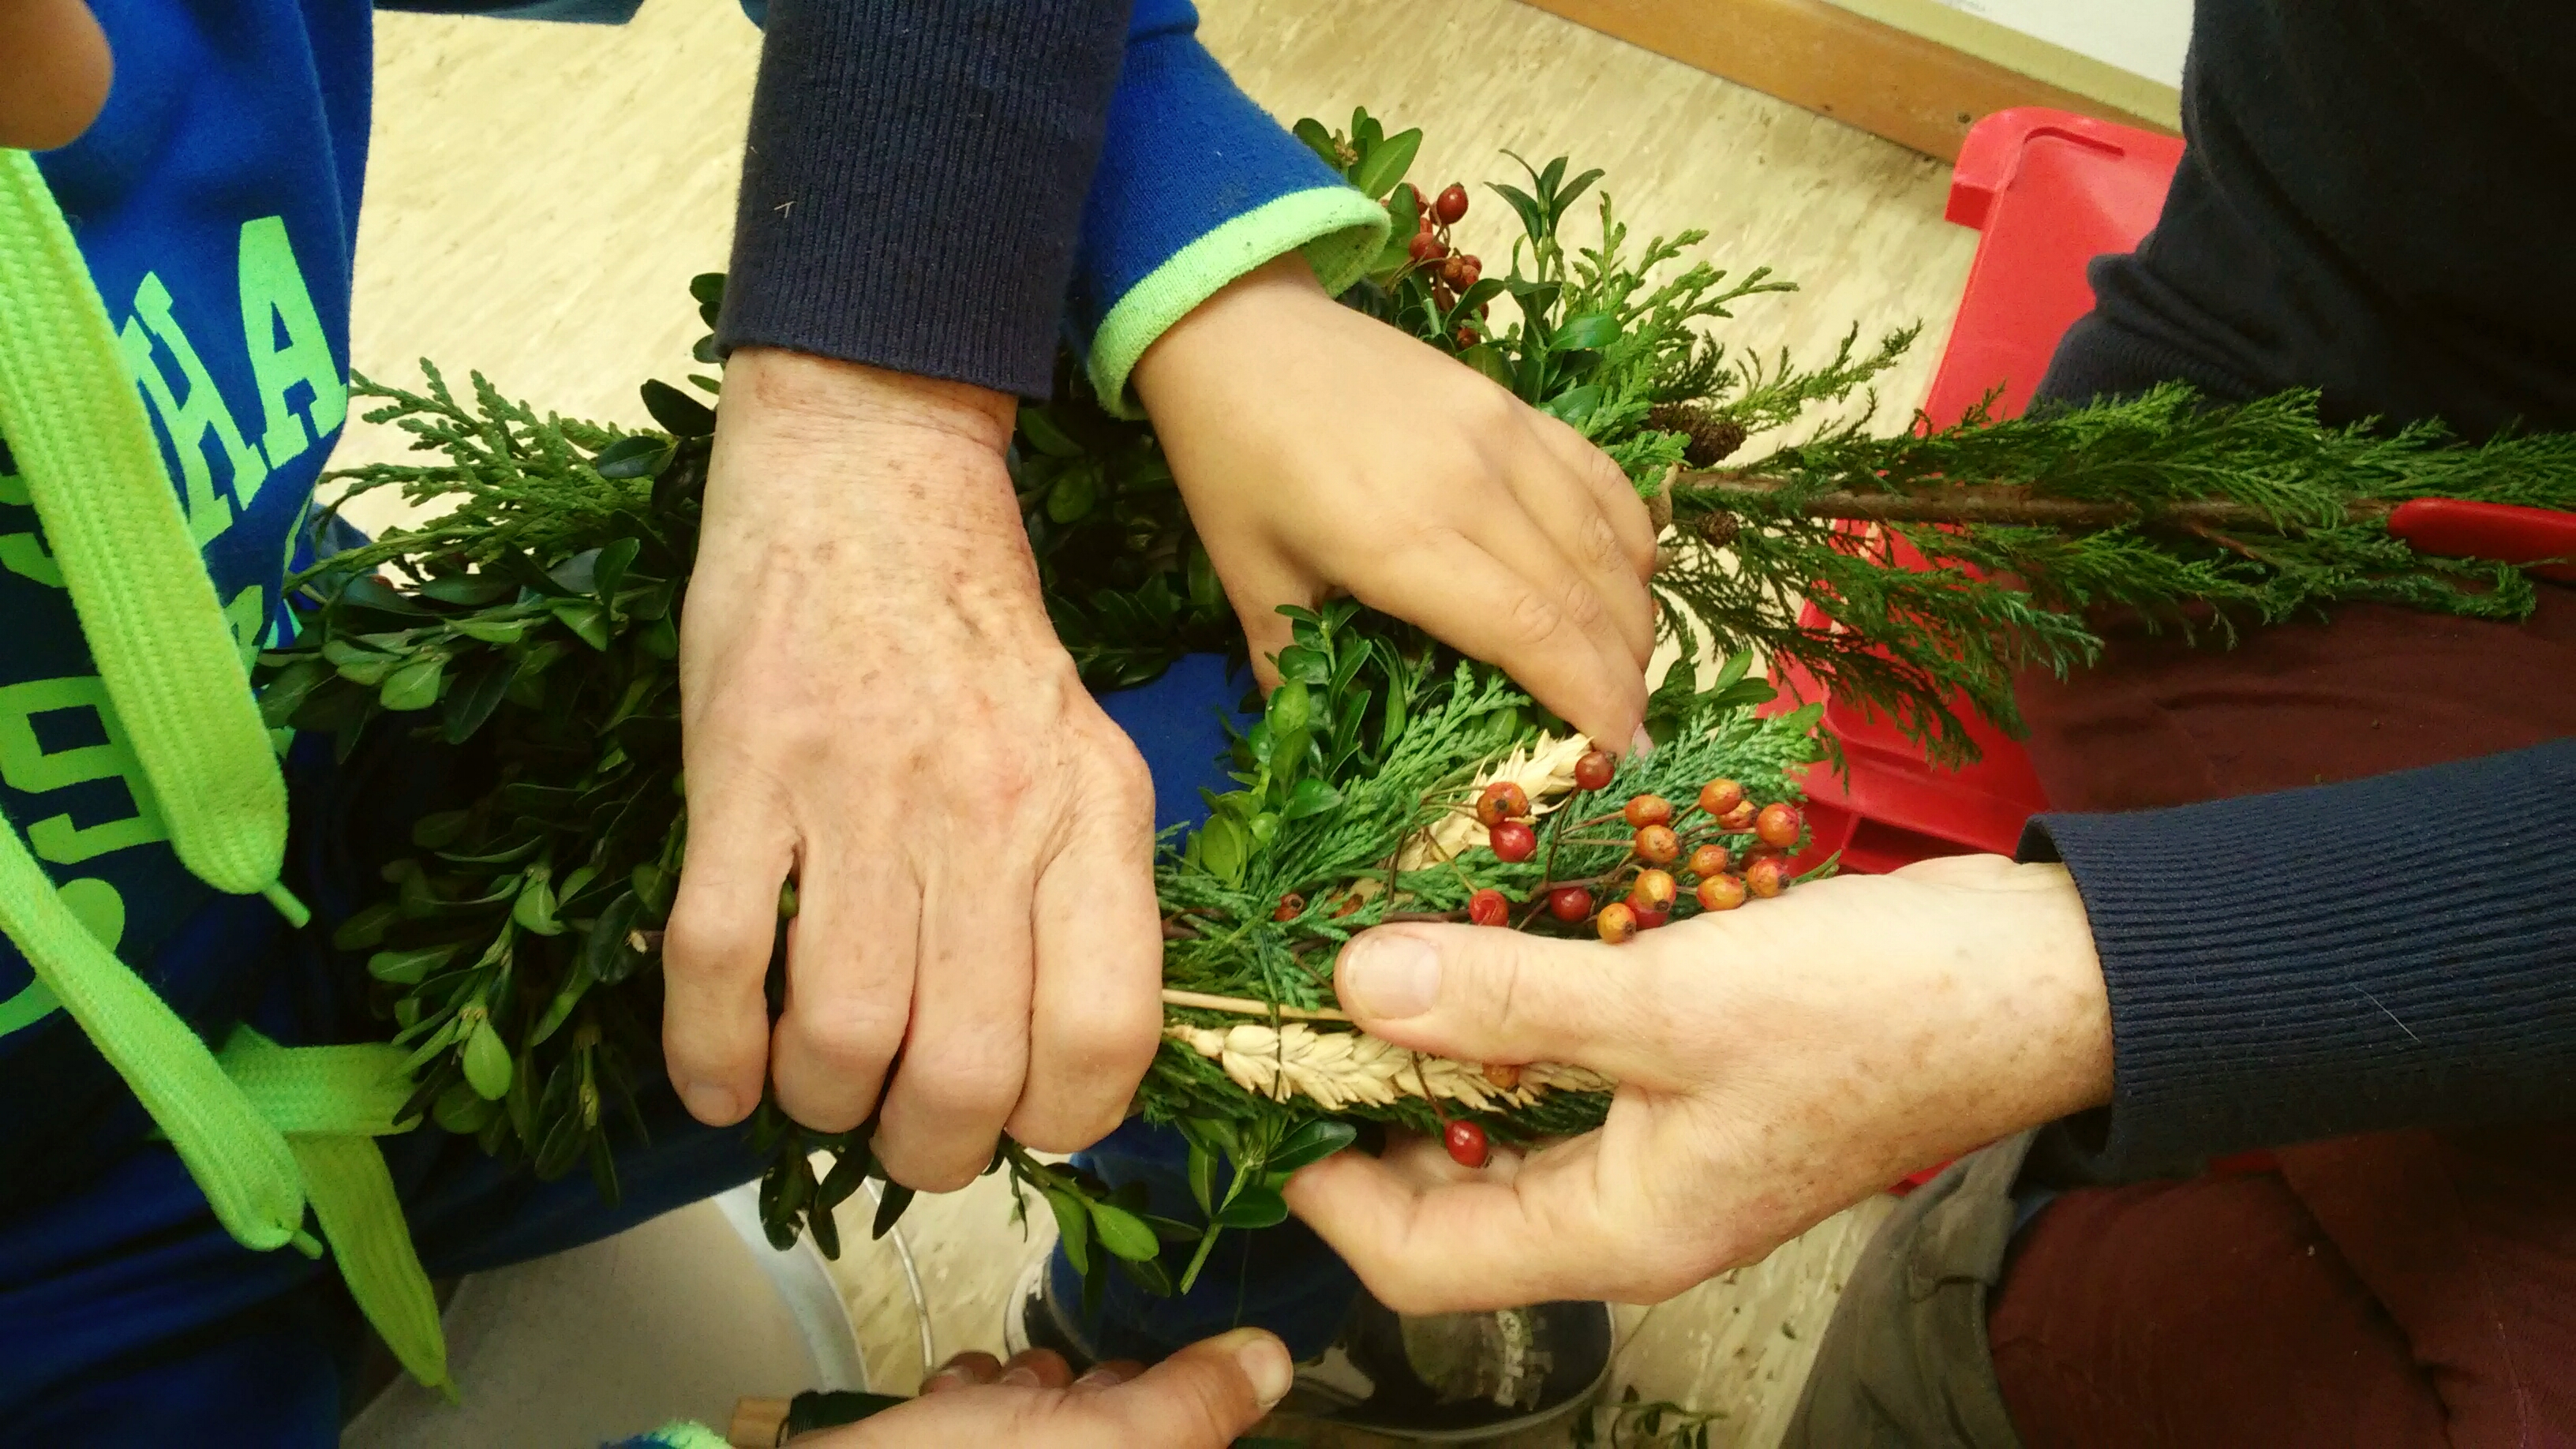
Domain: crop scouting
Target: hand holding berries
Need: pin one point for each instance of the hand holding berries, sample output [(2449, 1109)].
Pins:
[(1752, 1102)]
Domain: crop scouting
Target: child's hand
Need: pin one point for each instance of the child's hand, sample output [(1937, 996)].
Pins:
[(1321, 451), (56, 61)]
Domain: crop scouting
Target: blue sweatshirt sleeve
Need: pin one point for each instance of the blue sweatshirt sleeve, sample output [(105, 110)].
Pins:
[(1196, 186), (2387, 953)]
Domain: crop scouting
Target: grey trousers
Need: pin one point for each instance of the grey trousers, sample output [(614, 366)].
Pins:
[(1905, 1360)]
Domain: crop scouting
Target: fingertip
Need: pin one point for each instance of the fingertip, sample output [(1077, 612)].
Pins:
[(712, 1103), (971, 1367), (1037, 1368), (1109, 1375), (1264, 1362)]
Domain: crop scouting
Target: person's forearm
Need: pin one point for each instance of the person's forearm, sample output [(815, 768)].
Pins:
[(1197, 186), (2393, 952), (914, 179)]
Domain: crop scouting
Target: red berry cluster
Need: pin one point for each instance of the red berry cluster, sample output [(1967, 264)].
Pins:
[(1665, 845), (1450, 271)]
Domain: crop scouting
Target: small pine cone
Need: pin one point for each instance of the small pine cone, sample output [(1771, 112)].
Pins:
[(1712, 438), (1714, 441), (1718, 527)]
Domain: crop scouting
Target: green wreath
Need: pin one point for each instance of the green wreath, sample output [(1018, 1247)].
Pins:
[(1388, 778)]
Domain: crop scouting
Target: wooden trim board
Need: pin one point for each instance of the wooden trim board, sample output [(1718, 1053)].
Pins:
[(1890, 82)]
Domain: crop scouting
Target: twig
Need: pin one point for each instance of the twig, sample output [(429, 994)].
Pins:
[(2002, 503), (1246, 1006)]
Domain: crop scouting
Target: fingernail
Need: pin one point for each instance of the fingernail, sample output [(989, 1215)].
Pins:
[(1021, 1378), (709, 1103), (1109, 1375), (1640, 744), (1264, 1361), (1388, 976)]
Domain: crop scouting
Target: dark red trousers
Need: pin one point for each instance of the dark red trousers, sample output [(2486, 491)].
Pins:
[(2407, 1288)]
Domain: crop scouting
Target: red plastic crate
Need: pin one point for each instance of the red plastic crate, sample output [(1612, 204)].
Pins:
[(2049, 190)]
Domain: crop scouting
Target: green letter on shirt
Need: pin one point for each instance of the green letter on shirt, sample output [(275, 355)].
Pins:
[(189, 423), (273, 295)]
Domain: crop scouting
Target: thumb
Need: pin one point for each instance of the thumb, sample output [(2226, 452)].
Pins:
[(1474, 993), (1204, 1396)]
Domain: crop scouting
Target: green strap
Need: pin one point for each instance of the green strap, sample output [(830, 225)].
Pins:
[(265, 1125), (240, 1161), (333, 1091), (149, 611), (330, 1102), (354, 1199)]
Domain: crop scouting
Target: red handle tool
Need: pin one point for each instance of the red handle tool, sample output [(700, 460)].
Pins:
[(2504, 532)]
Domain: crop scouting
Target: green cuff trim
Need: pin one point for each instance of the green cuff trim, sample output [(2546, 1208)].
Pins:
[(1339, 229), (681, 1435)]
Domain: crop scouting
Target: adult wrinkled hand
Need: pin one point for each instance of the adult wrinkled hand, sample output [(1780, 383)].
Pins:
[(1776, 1064), (874, 704), (1199, 1398), (1321, 451)]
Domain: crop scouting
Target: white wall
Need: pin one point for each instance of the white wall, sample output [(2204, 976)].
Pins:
[(2143, 37)]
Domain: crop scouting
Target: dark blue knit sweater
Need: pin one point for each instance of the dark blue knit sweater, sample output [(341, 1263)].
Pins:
[(2374, 202)]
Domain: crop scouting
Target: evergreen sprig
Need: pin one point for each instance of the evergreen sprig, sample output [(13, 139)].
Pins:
[(2025, 535), (531, 623)]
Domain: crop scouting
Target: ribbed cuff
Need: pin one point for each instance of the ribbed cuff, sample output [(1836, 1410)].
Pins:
[(2394, 952), (914, 181), (1339, 229)]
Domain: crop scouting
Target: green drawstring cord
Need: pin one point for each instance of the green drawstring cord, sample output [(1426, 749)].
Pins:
[(330, 1101), (94, 472), (265, 1125)]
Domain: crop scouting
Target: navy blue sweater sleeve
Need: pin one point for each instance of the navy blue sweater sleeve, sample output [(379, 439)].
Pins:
[(2391, 952), (914, 180)]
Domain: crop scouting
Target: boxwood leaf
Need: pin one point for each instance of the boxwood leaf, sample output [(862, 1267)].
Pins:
[(679, 414), (1125, 1234)]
